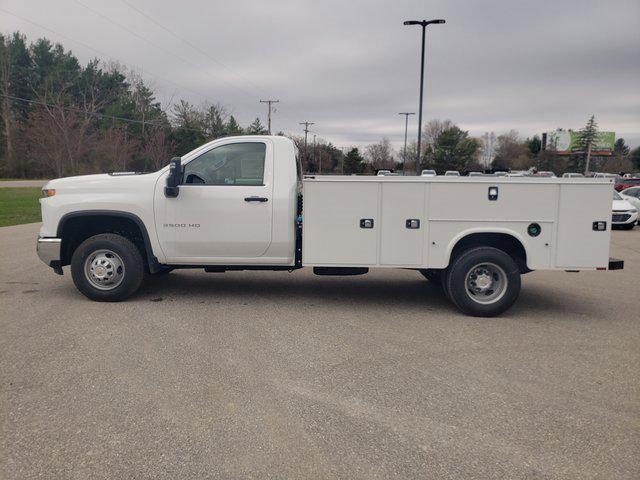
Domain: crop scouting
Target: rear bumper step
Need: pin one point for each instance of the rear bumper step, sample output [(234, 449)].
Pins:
[(616, 264)]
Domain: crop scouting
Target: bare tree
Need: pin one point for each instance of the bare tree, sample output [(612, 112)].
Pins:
[(511, 152), (118, 146), (157, 148), (433, 129), (5, 75), (54, 137), (380, 154), (72, 124)]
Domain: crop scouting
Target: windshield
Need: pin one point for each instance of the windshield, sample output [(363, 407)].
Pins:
[(616, 196)]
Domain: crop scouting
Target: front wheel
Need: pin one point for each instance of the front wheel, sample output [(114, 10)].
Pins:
[(483, 281), (107, 268)]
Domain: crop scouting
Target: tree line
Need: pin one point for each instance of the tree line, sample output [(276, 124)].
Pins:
[(62, 118)]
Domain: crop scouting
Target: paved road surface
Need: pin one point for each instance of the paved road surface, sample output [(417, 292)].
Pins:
[(22, 183), (278, 375)]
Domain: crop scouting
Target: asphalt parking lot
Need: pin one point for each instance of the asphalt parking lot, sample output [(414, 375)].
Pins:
[(279, 375)]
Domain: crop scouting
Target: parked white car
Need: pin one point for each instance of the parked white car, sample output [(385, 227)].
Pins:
[(451, 173), (382, 173), (615, 176), (572, 175), (624, 214), (428, 173), (632, 195)]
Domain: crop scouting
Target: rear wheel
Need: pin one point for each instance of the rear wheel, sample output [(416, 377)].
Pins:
[(107, 268), (483, 281)]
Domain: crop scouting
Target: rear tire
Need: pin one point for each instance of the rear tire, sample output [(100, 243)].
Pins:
[(483, 281), (107, 268)]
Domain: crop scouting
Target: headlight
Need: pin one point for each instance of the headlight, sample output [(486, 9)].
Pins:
[(48, 192)]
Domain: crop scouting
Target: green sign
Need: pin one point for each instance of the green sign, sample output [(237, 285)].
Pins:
[(567, 141)]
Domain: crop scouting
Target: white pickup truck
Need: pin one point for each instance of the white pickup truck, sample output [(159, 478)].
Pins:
[(237, 204)]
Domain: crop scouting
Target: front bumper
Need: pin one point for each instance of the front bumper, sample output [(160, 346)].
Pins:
[(49, 251), (624, 217)]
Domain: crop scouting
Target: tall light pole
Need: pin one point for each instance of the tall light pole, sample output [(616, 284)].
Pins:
[(406, 124), (423, 24)]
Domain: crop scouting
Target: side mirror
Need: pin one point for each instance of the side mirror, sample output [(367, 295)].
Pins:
[(174, 178)]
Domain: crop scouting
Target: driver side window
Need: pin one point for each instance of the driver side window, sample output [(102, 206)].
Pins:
[(233, 164)]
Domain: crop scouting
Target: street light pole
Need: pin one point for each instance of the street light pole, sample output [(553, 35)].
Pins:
[(406, 124), (423, 24)]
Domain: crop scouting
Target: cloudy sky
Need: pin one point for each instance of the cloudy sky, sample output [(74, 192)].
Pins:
[(350, 66)]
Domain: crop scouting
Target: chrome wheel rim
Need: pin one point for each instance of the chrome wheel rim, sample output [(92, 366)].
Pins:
[(104, 269), (486, 283)]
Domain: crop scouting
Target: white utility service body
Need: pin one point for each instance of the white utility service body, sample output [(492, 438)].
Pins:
[(236, 203), (449, 209)]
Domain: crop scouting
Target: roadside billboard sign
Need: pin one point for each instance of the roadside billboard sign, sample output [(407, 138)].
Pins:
[(566, 142)]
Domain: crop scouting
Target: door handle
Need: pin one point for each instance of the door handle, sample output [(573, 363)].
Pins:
[(256, 199)]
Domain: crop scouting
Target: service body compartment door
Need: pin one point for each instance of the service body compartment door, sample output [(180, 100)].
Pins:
[(332, 215), (402, 223), (578, 244)]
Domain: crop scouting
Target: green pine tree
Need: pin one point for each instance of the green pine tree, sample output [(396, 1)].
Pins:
[(256, 128), (454, 150), (353, 162), (233, 127), (587, 138), (635, 157)]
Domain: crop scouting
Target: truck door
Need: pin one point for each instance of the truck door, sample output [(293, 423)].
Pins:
[(223, 212)]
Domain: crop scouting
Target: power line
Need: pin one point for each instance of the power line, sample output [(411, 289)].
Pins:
[(162, 49), (93, 114), (199, 50), (99, 52), (131, 66), (269, 102), (191, 44)]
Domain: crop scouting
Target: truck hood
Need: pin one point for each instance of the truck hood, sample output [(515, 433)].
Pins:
[(100, 182)]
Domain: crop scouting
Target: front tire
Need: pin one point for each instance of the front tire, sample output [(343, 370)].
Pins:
[(107, 268), (483, 282)]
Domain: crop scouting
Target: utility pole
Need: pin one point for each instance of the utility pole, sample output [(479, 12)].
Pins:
[(269, 102), (406, 124), (423, 24), (314, 154), (306, 132)]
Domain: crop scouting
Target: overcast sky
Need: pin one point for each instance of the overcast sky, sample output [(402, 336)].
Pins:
[(351, 66)]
